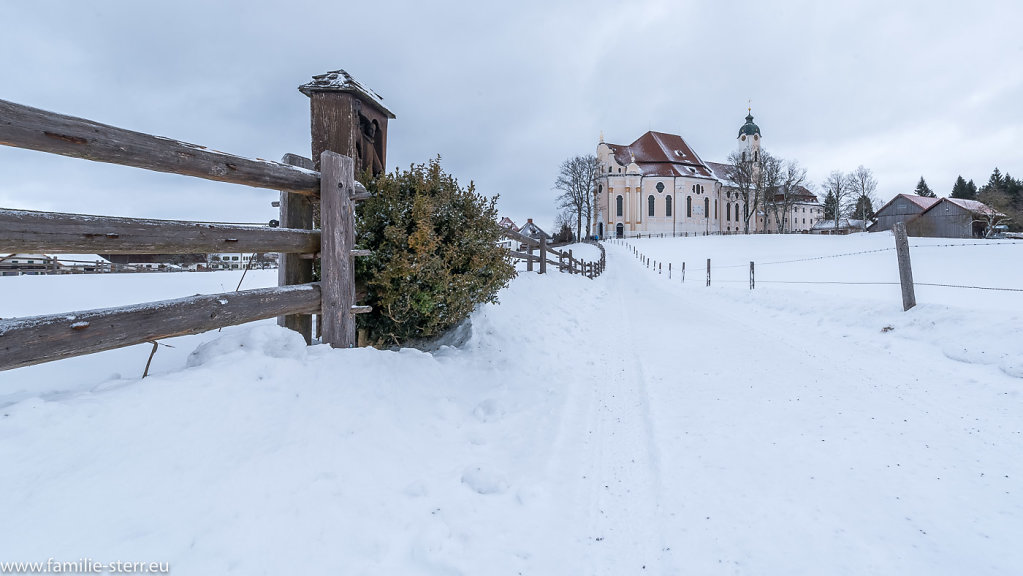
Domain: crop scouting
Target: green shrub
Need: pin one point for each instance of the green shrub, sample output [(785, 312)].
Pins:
[(435, 254)]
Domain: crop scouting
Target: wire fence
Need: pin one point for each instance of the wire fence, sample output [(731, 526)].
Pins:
[(658, 267)]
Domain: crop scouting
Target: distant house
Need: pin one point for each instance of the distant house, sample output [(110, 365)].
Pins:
[(508, 224), (533, 231), (902, 208), (82, 263), (25, 264), (845, 226), (954, 218)]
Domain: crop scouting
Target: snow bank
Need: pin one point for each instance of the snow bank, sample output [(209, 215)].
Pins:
[(627, 424)]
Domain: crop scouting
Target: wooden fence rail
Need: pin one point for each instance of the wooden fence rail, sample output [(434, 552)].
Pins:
[(38, 339), (566, 261), (33, 340), (25, 231)]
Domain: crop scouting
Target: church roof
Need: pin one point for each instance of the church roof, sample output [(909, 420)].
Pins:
[(749, 127), (660, 154)]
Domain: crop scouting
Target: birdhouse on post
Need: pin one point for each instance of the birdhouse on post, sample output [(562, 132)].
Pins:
[(348, 118)]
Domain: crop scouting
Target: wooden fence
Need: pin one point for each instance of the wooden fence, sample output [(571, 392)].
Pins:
[(33, 340), (537, 251)]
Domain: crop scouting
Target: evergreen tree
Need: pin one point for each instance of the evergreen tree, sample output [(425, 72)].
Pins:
[(996, 182), (830, 206), (971, 189), (962, 190), (922, 189), (864, 209)]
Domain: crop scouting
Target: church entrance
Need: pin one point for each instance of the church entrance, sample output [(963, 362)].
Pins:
[(619, 231)]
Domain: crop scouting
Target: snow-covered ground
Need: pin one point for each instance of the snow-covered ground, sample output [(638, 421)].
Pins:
[(630, 424)]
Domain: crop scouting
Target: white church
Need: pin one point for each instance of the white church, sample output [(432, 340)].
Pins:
[(659, 185)]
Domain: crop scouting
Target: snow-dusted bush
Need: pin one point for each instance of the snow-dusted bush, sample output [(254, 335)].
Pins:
[(435, 253)]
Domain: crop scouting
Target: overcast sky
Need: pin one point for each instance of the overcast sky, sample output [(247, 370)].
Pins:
[(505, 92)]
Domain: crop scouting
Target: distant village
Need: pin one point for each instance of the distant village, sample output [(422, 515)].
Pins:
[(37, 264)]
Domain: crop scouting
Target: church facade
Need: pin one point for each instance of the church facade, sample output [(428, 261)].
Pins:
[(659, 185)]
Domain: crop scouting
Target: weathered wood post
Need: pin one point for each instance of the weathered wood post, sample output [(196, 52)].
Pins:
[(337, 266), (529, 260), (296, 212), (669, 270), (683, 273), (708, 271), (543, 254), (561, 261), (905, 267), (752, 283), (349, 119), (571, 262)]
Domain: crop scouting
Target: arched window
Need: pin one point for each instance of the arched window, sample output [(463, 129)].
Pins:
[(706, 207), (650, 205), (715, 208), (667, 206), (618, 203), (728, 211), (756, 155), (689, 206)]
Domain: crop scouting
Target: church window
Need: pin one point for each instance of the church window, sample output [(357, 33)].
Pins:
[(756, 155), (689, 206), (706, 207), (650, 205), (608, 169), (728, 211), (715, 208), (618, 203), (744, 152), (660, 187), (667, 205)]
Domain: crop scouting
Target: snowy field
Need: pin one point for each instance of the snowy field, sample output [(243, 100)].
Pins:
[(632, 424)]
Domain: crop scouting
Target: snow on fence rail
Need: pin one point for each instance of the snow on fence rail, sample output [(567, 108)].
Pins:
[(566, 262), (34, 340)]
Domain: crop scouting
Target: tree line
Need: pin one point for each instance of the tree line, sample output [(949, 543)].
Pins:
[(1002, 192)]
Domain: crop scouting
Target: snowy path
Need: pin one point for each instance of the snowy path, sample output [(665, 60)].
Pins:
[(715, 444), (624, 425)]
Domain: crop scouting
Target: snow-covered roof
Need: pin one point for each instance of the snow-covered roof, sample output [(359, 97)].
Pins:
[(532, 230), (661, 154), (81, 259), (975, 206), (843, 224), (341, 81), (924, 202)]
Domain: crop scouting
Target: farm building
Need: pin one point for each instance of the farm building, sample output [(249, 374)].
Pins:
[(954, 218), (902, 208)]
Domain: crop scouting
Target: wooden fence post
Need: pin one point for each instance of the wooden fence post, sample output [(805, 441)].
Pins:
[(905, 268), (708, 271), (337, 267), (571, 263), (669, 270), (296, 212), (683, 273), (752, 283), (529, 261), (543, 254)]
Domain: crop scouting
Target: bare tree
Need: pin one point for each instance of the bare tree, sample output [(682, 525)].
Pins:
[(862, 196), (785, 183), (750, 181), (840, 186), (576, 181)]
